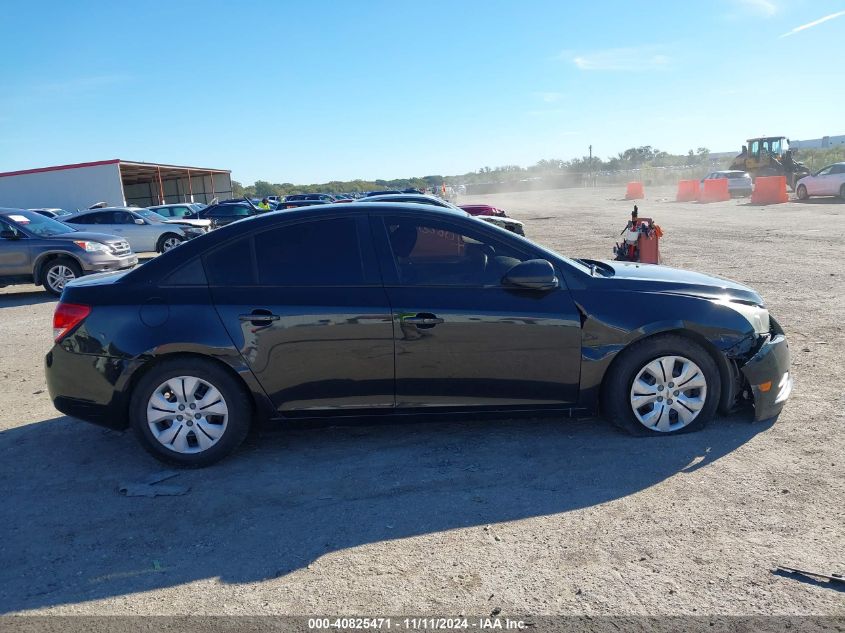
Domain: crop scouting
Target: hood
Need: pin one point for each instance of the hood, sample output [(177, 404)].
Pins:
[(92, 237), (652, 278), (189, 222)]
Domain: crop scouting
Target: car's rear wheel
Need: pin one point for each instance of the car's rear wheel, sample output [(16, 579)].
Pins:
[(57, 273), (190, 412), (802, 192), (842, 192), (167, 242), (661, 386)]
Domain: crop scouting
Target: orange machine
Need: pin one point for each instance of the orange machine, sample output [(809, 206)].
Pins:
[(641, 241)]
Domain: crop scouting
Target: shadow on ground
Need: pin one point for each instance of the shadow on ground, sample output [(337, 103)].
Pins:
[(289, 497), (12, 299)]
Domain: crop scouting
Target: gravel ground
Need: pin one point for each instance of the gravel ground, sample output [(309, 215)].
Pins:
[(539, 517)]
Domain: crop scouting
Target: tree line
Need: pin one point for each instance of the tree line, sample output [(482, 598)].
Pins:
[(641, 157)]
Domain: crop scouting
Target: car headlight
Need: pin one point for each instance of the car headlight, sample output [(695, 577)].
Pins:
[(757, 316), (193, 230), (92, 247)]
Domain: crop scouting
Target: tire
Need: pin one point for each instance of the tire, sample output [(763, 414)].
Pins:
[(801, 192), (842, 192), (618, 391), (154, 412), (57, 272), (167, 242)]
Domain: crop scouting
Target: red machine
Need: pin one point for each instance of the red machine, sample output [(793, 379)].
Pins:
[(641, 241)]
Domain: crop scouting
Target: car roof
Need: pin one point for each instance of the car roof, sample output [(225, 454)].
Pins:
[(87, 211), (403, 197)]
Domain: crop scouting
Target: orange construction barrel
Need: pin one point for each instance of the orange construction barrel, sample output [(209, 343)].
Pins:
[(687, 191), (634, 191), (769, 190), (715, 190)]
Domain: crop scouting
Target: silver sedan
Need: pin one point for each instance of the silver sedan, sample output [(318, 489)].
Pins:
[(143, 234)]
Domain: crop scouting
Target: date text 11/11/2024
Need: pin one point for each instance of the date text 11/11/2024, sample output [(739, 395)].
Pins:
[(415, 624)]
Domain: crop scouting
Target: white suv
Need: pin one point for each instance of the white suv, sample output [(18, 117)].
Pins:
[(829, 181)]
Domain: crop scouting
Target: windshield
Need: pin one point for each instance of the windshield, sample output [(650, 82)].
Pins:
[(38, 224), (152, 216)]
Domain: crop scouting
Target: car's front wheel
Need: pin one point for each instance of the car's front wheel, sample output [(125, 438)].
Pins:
[(57, 273), (802, 192), (190, 412), (842, 192), (663, 385), (167, 242)]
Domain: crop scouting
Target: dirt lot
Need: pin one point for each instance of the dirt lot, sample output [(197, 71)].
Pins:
[(538, 517)]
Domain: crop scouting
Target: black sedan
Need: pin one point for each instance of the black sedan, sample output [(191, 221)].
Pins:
[(359, 309), (224, 213)]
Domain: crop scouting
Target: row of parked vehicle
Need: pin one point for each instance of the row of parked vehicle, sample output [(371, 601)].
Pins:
[(51, 247)]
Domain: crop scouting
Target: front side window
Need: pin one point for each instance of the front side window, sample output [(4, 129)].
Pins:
[(433, 253), (318, 253), (826, 171)]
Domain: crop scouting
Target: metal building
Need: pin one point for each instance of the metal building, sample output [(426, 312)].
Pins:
[(116, 182)]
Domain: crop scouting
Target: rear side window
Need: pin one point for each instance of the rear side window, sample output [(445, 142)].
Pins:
[(232, 264), (318, 253)]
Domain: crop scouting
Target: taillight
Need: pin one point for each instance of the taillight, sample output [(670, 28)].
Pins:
[(66, 317)]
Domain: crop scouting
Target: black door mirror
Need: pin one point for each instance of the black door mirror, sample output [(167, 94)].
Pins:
[(534, 274), (8, 235)]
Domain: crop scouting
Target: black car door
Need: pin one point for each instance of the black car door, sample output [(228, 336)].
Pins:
[(304, 302), (462, 337)]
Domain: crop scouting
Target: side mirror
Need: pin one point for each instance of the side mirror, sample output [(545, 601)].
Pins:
[(139, 221), (9, 235), (534, 274)]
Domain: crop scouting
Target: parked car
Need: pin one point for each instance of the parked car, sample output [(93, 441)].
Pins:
[(483, 209), (515, 226), (143, 234), (35, 249), (739, 182), (295, 204), (828, 181), (51, 212), (224, 213), (149, 214), (296, 197), (346, 310), (381, 193), (181, 210)]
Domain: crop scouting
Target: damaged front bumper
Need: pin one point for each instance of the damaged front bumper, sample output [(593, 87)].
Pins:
[(767, 373)]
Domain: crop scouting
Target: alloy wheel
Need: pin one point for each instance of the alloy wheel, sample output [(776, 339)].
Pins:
[(58, 276), (170, 243), (187, 414), (668, 393)]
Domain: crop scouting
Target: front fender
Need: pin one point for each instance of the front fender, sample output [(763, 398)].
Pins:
[(613, 320), (38, 263)]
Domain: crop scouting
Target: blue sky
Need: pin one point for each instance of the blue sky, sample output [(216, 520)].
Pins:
[(315, 90)]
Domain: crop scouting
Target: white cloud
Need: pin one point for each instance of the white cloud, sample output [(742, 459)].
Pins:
[(622, 59), (810, 25), (766, 8), (549, 97)]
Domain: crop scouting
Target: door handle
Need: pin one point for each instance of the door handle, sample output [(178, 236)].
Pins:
[(259, 316), (422, 320)]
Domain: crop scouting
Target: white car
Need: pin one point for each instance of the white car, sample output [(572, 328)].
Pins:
[(205, 225), (143, 234), (828, 181)]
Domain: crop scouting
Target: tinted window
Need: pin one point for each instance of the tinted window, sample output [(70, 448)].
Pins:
[(231, 210), (431, 253), (83, 219), (319, 253), (232, 264), (190, 274)]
